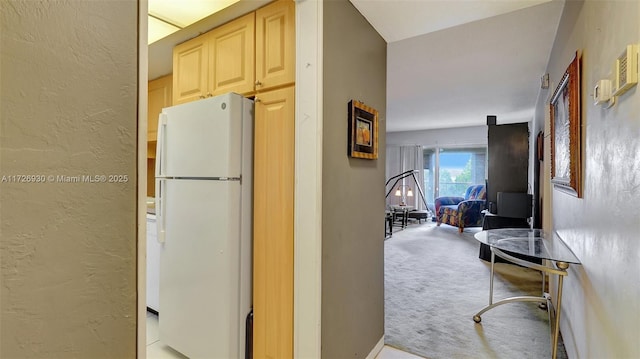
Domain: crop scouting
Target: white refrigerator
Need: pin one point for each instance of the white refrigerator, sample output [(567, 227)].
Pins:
[(204, 218)]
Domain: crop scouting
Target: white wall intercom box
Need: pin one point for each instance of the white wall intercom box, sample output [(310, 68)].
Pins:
[(626, 70)]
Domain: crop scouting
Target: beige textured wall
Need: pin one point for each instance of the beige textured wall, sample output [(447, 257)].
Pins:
[(600, 309), (352, 189), (68, 86)]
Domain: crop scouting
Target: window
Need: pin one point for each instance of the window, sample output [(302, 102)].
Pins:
[(449, 171)]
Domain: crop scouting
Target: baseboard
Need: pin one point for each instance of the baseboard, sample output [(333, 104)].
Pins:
[(376, 350)]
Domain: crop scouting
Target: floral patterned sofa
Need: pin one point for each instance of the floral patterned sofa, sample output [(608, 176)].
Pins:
[(462, 211)]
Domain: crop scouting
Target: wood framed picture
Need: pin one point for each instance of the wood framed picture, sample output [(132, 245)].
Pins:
[(566, 132), (363, 131)]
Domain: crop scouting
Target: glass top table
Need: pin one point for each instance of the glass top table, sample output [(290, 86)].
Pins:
[(536, 243), (531, 242)]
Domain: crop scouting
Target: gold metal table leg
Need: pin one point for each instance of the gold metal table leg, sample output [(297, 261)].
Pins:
[(561, 271), (554, 351)]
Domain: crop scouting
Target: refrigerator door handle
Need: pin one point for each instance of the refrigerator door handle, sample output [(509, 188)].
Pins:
[(161, 155), (160, 209)]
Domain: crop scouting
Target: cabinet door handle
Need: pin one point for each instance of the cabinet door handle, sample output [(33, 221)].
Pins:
[(209, 94), (258, 83), (201, 96), (257, 100)]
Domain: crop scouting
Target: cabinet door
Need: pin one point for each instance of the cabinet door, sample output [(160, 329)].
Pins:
[(231, 52), (273, 225), (275, 45), (190, 70), (159, 92)]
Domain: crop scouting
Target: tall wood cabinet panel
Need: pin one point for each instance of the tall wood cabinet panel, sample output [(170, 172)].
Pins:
[(159, 96), (190, 70), (232, 56), (273, 224), (275, 45)]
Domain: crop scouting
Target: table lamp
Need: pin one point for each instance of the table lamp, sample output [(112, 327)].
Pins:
[(400, 193)]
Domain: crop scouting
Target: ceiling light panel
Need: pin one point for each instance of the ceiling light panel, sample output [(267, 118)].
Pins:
[(183, 13), (159, 29)]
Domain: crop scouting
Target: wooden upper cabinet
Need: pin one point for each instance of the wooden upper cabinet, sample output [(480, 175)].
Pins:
[(159, 97), (275, 45), (253, 53), (190, 70), (232, 57)]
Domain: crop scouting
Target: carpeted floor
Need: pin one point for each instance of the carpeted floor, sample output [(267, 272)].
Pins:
[(435, 283)]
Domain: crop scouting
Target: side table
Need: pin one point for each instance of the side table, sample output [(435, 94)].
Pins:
[(537, 244)]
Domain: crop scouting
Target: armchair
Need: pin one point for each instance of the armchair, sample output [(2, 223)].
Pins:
[(462, 211)]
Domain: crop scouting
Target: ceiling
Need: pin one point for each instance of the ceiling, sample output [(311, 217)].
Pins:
[(452, 63)]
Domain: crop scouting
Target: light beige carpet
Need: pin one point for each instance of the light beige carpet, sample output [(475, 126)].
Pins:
[(435, 283)]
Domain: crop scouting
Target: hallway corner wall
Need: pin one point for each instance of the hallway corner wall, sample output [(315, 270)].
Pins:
[(354, 66)]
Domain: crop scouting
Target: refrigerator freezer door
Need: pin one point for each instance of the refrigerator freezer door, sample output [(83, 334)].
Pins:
[(200, 269), (202, 138)]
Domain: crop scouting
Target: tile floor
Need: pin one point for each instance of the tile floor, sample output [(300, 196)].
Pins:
[(157, 350)]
